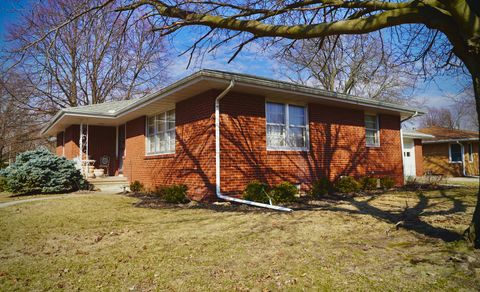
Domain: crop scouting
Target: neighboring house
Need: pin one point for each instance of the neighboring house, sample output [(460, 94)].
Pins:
[(450, 152), (217, 131), (412, 152)]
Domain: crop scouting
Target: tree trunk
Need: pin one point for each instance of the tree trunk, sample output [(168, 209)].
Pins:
[(472, 234)]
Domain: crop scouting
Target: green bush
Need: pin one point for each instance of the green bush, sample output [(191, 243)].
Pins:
[(136, 187), (40, 171), (159, 191), (387, 182), (321, 187), (283, 193), (346, 184), (257, 192), (175, 194), (3, 183), (368, 183)]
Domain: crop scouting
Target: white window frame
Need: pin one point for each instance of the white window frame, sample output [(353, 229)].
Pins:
[(165, 133), (450, 153), (287, 128), (470, 152), (377, 129)]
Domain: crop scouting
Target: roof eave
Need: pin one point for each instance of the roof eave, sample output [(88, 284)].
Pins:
[(418, 136), (249, 81), (62, 113), (451, 140), (320, 93)]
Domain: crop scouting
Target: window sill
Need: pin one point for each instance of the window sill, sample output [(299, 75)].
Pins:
[(160, 155), (373, 146), (455, 162), (288, 149)]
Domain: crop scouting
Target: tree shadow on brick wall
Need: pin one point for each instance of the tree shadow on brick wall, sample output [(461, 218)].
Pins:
[(410, 217), (332, 157), (334, 152), (437, 166), (192, 164)]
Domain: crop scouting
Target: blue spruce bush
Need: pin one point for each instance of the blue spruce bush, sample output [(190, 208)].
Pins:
[(40, 171)]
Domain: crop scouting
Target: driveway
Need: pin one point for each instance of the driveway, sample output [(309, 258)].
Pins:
[(16, 202), (463, 179)]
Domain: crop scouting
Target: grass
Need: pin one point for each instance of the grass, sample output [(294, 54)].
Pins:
[(9, 197), (103, 242)]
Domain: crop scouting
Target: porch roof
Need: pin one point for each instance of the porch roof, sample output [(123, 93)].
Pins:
[(118, 112), (416, 135)]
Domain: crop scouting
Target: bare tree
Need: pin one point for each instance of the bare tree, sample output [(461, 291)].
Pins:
[(97, 56), (440, 117), (440, 34), (359, 65), (464, 103), (18, 125)]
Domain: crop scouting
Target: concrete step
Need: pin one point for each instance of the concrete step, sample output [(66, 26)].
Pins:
[(108, 180), (115, 184)]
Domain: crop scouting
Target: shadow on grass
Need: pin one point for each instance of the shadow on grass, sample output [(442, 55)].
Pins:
[(409, 218)]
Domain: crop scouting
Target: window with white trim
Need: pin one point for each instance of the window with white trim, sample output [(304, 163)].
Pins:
[(455, 153), (161, 133), (470, 152), (372, 135), (286, 126)]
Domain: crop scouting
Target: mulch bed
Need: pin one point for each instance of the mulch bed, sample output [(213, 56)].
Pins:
[(302, 203), (154, 202)]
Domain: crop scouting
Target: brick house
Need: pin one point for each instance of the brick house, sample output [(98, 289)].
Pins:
[(450, 152), (216, 131)]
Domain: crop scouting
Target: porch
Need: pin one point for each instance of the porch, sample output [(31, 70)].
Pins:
[(93, 147)]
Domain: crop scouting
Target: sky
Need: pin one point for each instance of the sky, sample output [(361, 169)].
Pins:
[(251, 61)]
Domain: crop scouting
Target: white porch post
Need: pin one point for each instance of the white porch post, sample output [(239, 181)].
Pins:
[(63, 143), (83, 144), (80, 142)]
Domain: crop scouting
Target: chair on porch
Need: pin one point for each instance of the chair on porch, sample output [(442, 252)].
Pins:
[(105, 163)]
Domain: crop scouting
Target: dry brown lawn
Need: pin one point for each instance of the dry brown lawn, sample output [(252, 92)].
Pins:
[(104, 242)]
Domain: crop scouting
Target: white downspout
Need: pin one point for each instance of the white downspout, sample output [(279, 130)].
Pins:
[(217, 160)]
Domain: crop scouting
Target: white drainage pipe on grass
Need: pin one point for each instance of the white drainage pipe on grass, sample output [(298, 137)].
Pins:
[(217, 160)]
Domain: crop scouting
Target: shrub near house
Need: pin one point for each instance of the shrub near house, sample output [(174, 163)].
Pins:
[(40, 171)]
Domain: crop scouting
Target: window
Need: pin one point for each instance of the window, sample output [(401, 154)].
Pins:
[(372, 136), (161, 133), (286, 126), (455, 153), (470, 152)]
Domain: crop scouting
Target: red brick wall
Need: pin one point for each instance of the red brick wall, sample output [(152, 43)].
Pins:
[(101, 141), (192, 164), (418, 157), (337, 147), (337, 138), (72, 136), (59, 146)]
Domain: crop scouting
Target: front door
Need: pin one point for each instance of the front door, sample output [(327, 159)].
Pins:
[(409, 157), (121, 148)]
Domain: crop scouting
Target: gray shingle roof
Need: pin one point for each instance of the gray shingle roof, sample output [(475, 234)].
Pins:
[(416, 134), (118, 108), (107, 108)]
